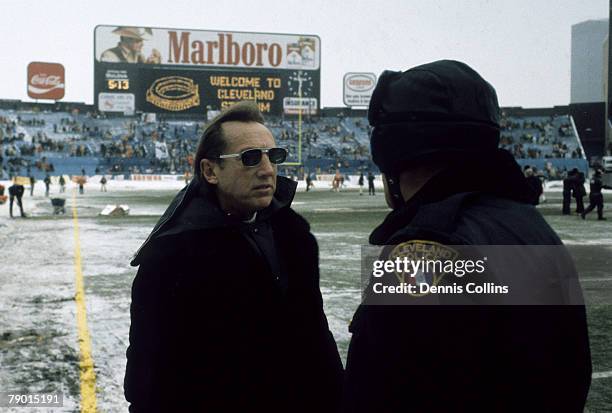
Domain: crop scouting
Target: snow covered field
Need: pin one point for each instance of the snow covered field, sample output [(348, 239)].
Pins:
[(39, 345)]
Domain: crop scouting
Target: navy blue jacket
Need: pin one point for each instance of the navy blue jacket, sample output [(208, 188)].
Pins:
[(469, 358)]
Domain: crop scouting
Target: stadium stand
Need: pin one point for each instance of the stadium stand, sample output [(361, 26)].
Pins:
[(36, 140)]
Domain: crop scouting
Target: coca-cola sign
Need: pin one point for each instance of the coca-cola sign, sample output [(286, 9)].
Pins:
[(46, 81)]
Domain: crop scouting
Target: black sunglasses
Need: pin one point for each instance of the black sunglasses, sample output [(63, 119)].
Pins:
[(252, 157)]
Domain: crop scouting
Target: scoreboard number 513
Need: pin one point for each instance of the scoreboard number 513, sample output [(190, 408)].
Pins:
[(118, 84)]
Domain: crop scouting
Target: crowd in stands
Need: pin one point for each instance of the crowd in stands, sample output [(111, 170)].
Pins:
[(41, 141), (539, 138)]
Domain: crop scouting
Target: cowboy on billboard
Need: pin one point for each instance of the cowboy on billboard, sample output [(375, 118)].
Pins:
[(129, 48)]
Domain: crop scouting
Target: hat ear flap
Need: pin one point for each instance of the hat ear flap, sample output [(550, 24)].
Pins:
[(375, 110)]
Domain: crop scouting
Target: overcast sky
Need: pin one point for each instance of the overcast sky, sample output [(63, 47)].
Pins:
[(522, 47)]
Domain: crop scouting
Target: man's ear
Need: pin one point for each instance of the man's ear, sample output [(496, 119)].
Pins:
[(208, 171)]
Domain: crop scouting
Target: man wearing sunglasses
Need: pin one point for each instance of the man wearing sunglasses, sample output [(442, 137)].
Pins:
[(227, 314)]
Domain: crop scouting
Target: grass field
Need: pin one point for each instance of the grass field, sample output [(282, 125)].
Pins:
[(39, 348)]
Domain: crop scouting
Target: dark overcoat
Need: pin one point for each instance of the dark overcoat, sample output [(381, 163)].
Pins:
[(213, 330)]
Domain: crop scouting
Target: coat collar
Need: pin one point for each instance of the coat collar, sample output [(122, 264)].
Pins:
[(435, 206), (195, 207)]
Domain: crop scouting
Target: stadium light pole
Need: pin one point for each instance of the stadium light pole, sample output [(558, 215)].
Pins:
[(300, 120), (299, 148), (608, 91)]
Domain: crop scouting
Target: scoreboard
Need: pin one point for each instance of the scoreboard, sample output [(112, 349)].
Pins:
[(195, 71)]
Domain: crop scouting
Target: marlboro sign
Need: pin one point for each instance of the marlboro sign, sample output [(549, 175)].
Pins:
[(46, 80), (198, 72)]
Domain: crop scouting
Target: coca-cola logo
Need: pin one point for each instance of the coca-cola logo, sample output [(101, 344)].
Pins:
[(46, 80)]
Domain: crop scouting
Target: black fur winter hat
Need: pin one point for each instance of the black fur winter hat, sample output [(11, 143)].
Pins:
[(444, 107)]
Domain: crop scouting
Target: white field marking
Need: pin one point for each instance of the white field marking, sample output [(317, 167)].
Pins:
[(349, 209), (603, 242), (602, 375), (595, 279)]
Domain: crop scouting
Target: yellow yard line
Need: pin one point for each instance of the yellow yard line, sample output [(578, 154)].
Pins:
[(87, 373)]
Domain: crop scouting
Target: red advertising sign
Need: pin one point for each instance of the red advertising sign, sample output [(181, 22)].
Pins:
[(46, 80)]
